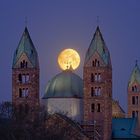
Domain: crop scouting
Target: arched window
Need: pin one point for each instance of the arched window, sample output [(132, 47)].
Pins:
[(23, 64), (20, 78), (137, 100), (23, 78), (99, 91), (133, 100), (20, 93), (133, 89), (26, 93), (27, 78), (96, 77), (98, 108), (92, 91), (99, 77), (92, 107), (98, 63), (96, 91), (92, 77), (93, 64)]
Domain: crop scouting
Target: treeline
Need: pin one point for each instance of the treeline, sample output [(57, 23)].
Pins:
[(15, 125)]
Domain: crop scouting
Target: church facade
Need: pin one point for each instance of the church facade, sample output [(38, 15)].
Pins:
[(87, 102)]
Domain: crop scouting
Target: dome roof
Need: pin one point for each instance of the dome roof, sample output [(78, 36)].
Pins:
[(98, 45), (63, 85), (135, 75)]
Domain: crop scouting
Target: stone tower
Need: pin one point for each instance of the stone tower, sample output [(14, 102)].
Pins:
[(97, 76), (25, 75), (134, 93)]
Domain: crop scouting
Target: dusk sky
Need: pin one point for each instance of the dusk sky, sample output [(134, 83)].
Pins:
[(58, 24)]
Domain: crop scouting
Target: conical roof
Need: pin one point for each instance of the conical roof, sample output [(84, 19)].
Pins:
[(98, 45), (26, 46), (135, 75)]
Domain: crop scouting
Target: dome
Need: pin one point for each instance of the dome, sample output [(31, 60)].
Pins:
[(63, 85)]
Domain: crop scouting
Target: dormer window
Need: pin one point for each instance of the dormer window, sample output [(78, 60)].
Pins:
[(135, 89)]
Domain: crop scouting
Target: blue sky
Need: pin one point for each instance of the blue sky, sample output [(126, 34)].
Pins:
[(58, 24)]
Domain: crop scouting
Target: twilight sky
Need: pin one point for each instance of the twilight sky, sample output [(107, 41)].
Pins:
[(58, 24)]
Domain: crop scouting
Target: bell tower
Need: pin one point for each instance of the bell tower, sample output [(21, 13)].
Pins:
[(97, 76), (25, 75), (134, 93)]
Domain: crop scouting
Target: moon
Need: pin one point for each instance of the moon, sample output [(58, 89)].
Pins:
[(69, 59)]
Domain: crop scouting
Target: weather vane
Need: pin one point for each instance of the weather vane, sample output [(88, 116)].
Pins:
[(26, 21), (98, 21)]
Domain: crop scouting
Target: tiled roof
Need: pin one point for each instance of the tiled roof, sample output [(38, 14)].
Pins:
[(98, 45), (135, 75), (26, 46), (124, 128)]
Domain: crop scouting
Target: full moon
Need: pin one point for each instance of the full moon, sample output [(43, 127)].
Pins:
[(68, 59)]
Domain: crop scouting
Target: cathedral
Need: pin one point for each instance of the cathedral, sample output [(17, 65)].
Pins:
[(84, 103)]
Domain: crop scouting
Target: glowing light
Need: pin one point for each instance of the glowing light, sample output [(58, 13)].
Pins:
[(69, 59)]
